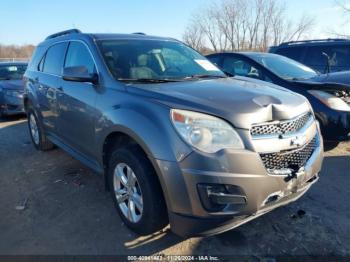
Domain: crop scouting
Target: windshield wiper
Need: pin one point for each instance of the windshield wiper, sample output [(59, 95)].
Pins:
[(148, 80), (204, 76)]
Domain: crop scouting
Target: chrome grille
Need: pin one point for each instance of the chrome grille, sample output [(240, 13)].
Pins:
[(282, 127), (293, 159)]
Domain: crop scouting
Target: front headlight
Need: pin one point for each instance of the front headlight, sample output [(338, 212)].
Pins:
[(330, 100), (204, 132), (13, 93)]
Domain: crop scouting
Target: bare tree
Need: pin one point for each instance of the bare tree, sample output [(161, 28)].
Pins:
[(247, 24), (13, 51), (344, 6), (194, 36)]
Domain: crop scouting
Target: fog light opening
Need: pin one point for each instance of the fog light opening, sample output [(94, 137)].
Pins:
[(217, 197)]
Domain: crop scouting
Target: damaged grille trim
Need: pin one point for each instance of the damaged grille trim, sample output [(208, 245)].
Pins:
[(284, 127), (291, 159)]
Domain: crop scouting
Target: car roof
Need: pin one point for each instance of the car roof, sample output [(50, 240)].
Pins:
[(75, 34), (314, 42), (128, 36)]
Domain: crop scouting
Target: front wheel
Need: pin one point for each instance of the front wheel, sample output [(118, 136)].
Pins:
[(135, 190), (36, 132)]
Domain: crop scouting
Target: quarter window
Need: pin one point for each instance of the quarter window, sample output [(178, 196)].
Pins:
[(79, 55)]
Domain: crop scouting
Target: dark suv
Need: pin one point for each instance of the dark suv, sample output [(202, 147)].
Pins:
[(326, 55), (175, 139)]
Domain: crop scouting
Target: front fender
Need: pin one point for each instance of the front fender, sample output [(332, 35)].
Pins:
[(148, 124)]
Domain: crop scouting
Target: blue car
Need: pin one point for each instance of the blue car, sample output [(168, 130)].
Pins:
[(11, 88), (330, 101)]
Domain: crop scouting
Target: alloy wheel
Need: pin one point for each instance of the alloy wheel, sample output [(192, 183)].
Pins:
[(128, 192), (34, 131)]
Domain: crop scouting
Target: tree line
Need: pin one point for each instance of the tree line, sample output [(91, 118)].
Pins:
[(16, 51), (237, 25)]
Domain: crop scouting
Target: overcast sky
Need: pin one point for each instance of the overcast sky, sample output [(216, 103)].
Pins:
[(30, 21)]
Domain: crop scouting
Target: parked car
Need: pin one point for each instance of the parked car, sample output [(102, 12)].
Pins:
[(174, 137), (330, 101), (11, 87), (325, 55)]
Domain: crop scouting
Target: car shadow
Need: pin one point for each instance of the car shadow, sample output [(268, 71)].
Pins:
[(12, 118)]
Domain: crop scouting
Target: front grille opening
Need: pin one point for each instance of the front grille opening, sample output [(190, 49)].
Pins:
[(282, 127), (291, 159)]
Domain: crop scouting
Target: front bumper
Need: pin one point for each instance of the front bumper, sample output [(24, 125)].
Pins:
[(11, 105), (240, 168)]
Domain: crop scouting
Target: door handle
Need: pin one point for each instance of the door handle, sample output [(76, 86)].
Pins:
[(60, 89)]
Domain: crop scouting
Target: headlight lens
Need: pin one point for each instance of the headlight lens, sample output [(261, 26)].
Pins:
[(330, 100), (13, 93), (204, 132)]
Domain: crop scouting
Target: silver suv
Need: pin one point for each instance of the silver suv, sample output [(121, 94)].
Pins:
[(175, 138)]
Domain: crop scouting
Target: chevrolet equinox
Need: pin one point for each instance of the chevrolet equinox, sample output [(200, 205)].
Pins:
[(176, 140)]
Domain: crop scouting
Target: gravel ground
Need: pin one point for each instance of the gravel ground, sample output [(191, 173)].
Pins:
[(52, 204)]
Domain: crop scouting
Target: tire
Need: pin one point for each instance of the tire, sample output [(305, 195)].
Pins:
[(36, 132), (329, 145), (153, 215)]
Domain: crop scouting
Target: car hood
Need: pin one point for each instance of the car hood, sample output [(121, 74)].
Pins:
[(342, 77), (242, 101), (12, 84), (321, 83)]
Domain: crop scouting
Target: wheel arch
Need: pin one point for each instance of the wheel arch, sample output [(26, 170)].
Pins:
[(121, 136)]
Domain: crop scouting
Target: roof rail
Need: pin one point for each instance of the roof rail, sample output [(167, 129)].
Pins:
[(314, 40), (138, 33), (62, 33)]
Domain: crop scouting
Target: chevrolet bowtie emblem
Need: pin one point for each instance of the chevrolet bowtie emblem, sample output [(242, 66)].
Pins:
[(298, 141)]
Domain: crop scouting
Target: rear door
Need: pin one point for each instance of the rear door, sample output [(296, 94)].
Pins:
[(48, 82), (77, 102)]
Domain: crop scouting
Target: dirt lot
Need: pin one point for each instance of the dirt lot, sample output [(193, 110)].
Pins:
[(51, 204)]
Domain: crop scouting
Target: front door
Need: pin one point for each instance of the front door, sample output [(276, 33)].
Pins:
[(77, 103)]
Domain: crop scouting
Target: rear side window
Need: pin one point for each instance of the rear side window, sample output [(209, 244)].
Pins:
[(294, 53), (54, 59), (79, 55), (339, 56)]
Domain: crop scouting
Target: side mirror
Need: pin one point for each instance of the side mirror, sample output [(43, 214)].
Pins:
[(79, 74)]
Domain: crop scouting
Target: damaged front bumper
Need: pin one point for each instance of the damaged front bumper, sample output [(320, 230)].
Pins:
[(209, 194)]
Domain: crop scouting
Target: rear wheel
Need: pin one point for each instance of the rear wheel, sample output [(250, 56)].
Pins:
[(136, 191), (36, 132)]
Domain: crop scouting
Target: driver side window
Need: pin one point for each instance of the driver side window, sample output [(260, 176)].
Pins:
[(240, 67)]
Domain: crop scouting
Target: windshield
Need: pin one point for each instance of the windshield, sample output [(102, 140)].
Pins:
[(284, 67), (160, 60), (12, 72)]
